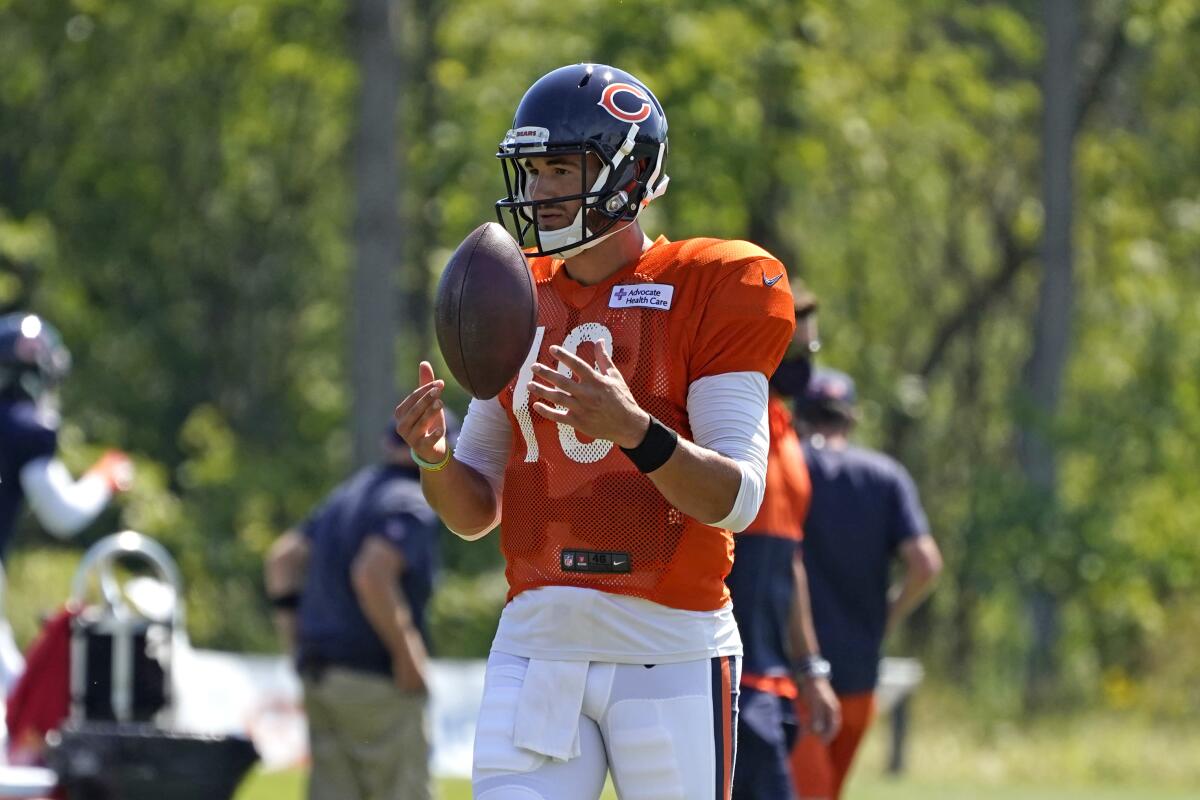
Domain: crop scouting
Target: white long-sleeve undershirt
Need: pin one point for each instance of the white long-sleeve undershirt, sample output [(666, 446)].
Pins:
[(728, 415), (62, 505)]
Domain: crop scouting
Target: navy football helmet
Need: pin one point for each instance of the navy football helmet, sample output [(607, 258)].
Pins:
[(572, 112), (33, 358)]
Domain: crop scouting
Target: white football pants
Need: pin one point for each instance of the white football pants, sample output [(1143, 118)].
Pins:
[(666, 731)]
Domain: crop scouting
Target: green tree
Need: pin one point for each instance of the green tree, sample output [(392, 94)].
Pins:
[(175, 192)]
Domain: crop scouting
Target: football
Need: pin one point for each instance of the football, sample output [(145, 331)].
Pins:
[(486, 311)]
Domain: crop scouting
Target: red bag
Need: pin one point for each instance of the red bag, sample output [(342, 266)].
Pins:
[(41, 698)]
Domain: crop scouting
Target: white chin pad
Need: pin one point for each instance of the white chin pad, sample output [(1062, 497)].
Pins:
[(565, 237)]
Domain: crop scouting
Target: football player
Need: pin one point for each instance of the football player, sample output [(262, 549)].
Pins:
[(769, 588), (621, 457), (33, 360), (865, 513)]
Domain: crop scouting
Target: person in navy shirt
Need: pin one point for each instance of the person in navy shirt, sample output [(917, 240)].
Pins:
[(864, 513), (350, 586), (782, 660), (33, 361)]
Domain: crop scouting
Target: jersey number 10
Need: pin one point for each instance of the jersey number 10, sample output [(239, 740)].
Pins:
[(574, 449)]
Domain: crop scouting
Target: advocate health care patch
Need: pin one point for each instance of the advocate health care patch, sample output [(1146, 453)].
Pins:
[(642, 295)]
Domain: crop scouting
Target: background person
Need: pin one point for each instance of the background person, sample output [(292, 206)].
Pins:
[(349, 589), (865, 511), (770, 595), (33, 362)]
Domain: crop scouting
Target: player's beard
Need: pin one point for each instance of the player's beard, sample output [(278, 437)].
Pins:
[(791, 378)]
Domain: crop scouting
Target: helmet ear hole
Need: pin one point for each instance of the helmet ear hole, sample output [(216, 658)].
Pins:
[(616, 203)]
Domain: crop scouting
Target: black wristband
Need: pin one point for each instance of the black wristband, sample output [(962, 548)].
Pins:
[(655, 450), (285, 602)]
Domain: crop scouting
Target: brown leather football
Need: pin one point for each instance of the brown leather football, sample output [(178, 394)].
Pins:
[(486, 311)]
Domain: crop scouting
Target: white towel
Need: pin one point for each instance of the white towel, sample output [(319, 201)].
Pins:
[(548, 708)]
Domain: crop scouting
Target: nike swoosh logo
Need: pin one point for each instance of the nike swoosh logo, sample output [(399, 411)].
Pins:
[(771, 281)]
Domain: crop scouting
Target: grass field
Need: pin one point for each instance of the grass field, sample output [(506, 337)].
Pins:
[(1040, 766), (289, 786), (954, 755)]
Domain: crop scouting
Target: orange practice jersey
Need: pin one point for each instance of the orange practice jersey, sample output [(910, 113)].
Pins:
[(789, 490), (684, 311), (762, 583)]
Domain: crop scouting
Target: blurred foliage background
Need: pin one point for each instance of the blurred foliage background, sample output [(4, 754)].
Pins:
[(176, 195)]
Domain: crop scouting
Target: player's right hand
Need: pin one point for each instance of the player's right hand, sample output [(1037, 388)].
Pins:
[(421, 417), (824, 709), (116, 468), (408, 677)]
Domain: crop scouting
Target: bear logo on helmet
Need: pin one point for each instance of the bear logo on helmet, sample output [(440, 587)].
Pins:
[(609, 104)]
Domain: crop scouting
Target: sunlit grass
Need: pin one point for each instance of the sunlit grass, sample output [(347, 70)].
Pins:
[(954, 754), (1098, 751), (289, 786), (954, 757)]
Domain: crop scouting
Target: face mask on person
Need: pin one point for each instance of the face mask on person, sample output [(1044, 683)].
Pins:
[(791, 378)]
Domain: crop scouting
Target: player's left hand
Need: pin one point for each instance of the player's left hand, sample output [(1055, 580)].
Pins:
[(824, 710), (595, 401), (116, 468)]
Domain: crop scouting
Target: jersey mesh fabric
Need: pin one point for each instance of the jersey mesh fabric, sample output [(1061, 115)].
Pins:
[(563, 491), (789, 489)]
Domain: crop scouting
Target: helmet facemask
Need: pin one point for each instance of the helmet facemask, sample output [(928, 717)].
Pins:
[(620, 190)]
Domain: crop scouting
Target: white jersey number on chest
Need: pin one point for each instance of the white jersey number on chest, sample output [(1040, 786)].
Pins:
[(574, 449)]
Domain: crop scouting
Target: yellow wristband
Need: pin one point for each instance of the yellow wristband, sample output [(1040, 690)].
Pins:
[(427, 466)]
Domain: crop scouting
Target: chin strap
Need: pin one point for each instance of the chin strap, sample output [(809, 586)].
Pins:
[(657, 188)]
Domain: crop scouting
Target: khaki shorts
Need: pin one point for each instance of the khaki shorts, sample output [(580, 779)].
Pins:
[(368, 740)]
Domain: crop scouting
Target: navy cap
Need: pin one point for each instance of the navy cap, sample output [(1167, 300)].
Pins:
[(802, 297), (831, 387), (829, 393)]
